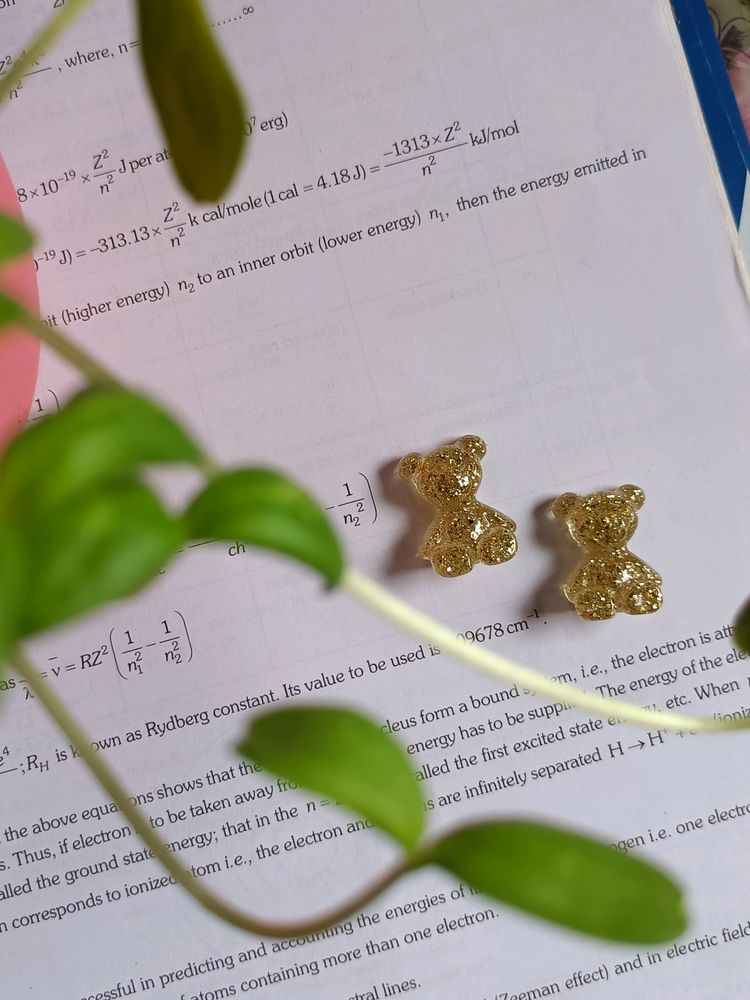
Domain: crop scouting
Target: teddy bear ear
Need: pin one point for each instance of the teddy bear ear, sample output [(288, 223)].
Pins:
[(409, 464), (473, 444), (563, 505), (634, 495)]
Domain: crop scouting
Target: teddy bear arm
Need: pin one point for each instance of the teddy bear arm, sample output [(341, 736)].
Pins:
[(652, 576), (642, 572), (496, 519)]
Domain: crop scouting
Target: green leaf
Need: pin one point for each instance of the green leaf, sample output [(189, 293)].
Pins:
[(200, 107), (742, 629), (101, 435), (343, 756), (15, 239), (99, 547), (10, 311), (13, 579), (261, 507), (566, 878)]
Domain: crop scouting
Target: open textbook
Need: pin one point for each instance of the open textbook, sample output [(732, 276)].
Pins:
[(491, 217)]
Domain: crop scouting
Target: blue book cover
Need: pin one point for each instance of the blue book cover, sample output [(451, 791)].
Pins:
[(698, 29)]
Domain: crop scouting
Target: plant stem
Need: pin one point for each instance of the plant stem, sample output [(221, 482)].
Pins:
[(408, 618), (43, 41), (370, 593), (62, 344), (208, 899), (94, 372)]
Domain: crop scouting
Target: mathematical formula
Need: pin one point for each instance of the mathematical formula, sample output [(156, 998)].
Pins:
[(123, 651), (421, 152)]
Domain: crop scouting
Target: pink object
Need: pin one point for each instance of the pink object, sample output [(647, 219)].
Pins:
[(739, 76), (19, 353)]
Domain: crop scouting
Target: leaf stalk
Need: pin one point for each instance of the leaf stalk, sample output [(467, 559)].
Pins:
[(41, 43), (167, 858), (408, 618)]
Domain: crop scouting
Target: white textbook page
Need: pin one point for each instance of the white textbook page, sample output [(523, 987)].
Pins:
[(487, 217)]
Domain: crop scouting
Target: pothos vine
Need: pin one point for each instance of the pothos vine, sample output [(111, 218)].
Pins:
[(77, 479)]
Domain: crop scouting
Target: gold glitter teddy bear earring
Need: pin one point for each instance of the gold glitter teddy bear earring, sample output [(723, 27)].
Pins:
[(609, 578), (464, 531)]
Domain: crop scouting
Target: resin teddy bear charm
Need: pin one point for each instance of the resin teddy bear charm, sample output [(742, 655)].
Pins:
[(464, 531), (609, 578)]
